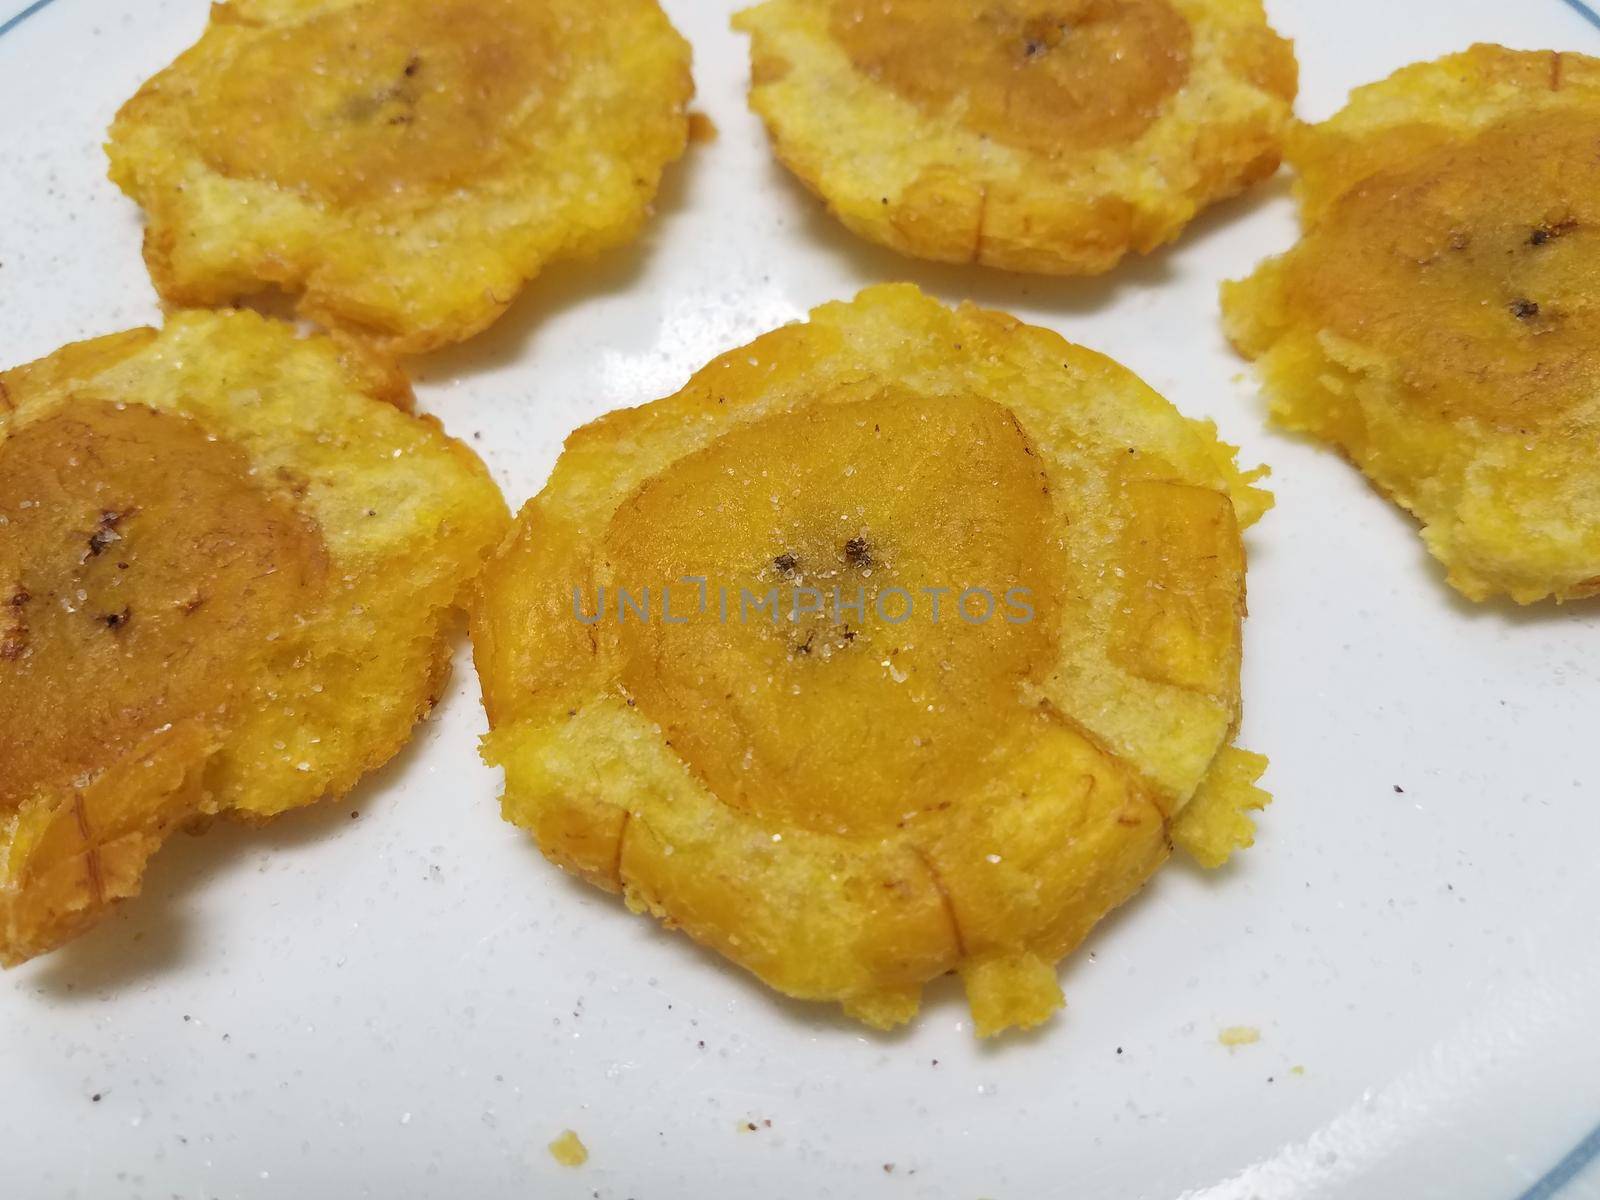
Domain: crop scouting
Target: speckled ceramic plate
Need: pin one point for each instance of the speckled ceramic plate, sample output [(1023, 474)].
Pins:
[(396, 997)]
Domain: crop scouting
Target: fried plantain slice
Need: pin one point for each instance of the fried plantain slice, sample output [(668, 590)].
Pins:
[(1051, 136), (889, 646), (227, 565), (1439, 320), (407, 166)]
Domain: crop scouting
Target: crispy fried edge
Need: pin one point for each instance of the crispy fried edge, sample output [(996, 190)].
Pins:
[(152, 163), (1329, 387)]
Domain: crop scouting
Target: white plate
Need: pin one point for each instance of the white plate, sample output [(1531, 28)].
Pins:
[(413, 1003)]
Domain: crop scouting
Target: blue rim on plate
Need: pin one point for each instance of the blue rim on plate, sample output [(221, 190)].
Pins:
[(8, 25), (1579, 6), (1553, 1181)]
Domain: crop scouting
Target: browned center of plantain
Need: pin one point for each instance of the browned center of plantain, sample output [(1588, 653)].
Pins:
[(140, 569), (1050, 76), (380, 99), (843, 720), (1477, 265)]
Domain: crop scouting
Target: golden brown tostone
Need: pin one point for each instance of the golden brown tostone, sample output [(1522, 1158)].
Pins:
[(849, 802), (1053, 136), (1439, 320), (403, 167), (228, 561)]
